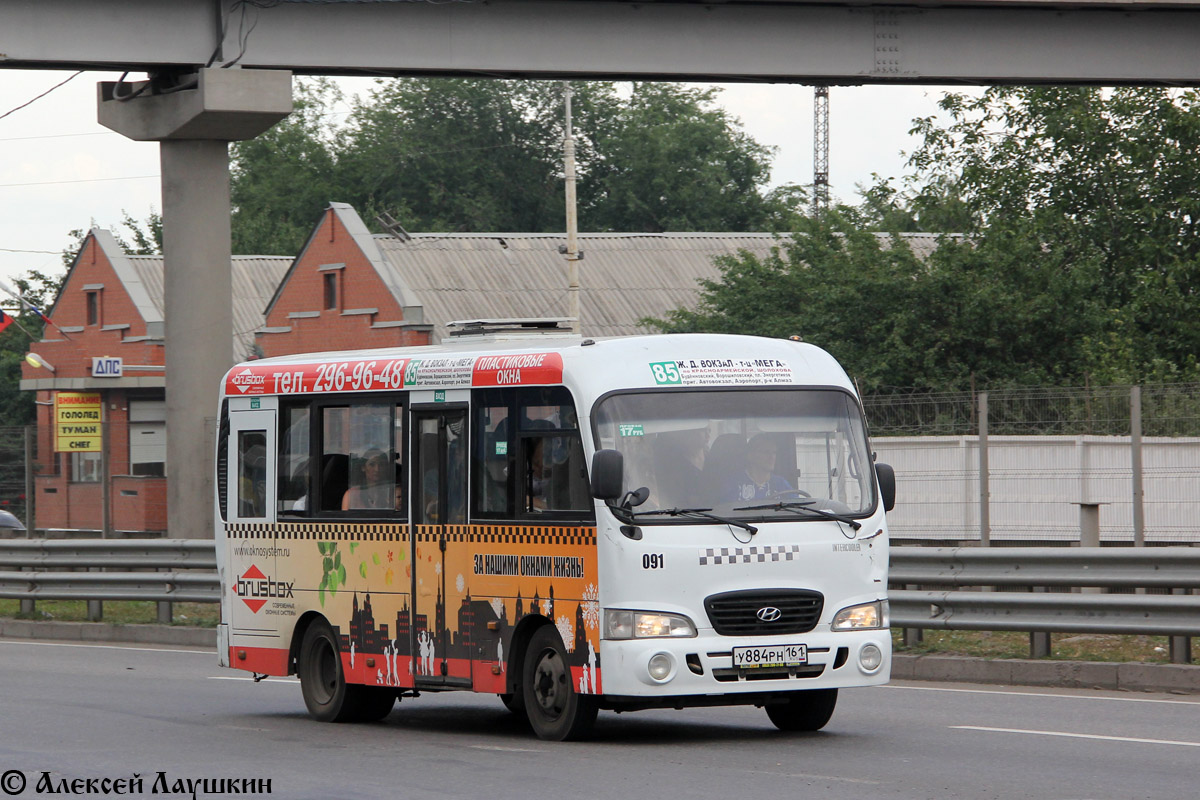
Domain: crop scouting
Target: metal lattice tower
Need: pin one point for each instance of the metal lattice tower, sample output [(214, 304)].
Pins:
[(820, 196)]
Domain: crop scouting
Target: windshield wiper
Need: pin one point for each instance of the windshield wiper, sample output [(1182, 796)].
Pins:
[(805, 506), (702, 513)]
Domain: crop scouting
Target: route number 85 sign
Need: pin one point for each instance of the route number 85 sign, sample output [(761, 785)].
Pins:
[(665, 372)]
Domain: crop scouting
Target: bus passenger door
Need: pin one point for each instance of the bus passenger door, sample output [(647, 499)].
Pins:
[(439, 492), (250, 495)]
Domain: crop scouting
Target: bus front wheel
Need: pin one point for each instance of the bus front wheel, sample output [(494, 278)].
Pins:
[(327, 695), (556, 712), (806, 711)]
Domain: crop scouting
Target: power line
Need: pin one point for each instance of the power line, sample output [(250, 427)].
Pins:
[(40, 96), (47, 252), (82, 180), (57, 136)]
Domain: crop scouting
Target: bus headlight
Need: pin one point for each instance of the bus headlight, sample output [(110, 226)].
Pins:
[(620, 624), (865, 617)]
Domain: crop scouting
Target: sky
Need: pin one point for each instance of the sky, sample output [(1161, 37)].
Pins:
[(62, 171)]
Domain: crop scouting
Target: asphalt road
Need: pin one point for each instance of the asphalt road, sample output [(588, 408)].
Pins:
[(110, 711)]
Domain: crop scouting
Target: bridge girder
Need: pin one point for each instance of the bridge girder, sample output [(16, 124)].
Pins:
[(984, 42)]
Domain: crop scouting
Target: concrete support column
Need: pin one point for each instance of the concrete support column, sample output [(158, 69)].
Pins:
[(194, 117), (198, 319)]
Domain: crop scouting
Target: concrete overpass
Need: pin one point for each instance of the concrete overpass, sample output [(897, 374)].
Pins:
[(931, 41)]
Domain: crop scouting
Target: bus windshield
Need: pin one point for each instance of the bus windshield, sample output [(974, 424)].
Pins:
[(745, 453)]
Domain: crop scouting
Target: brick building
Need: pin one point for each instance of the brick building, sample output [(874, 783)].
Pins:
[(111, 307)]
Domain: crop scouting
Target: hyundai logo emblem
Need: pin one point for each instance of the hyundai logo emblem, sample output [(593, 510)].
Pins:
[(769, 614)]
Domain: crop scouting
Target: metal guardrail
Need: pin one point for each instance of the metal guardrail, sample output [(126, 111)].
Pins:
[(57, 569), (955, 608), (125, 569)]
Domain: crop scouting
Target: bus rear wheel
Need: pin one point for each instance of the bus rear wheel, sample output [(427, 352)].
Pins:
[(556, 712), (805, 711), (327, 695)]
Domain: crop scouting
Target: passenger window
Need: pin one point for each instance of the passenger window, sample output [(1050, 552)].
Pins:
[(252, 474), (528, 454), (554, 476), (294, 463), (372, 478), (494, 455)]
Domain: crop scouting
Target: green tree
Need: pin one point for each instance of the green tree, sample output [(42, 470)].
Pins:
[(145, 237), (444, 154), (1102, 181), (282, 180), (889, 318), (455, 154), (669, 159), (1080, 254), (16, 406)]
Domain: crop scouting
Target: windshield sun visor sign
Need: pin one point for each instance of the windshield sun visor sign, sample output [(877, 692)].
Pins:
[(383, 374), (721, 372)]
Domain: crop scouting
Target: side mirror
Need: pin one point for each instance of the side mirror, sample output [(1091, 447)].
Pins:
[(608, 474), (887, 485)]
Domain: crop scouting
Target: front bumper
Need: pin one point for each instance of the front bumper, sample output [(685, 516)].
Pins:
[(703, 666)]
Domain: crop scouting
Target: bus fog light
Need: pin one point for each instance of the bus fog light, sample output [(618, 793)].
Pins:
[(870, 657), (661, 667)]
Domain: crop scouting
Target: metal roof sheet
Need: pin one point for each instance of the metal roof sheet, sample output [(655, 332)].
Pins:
[(624, 277), (254, 282)]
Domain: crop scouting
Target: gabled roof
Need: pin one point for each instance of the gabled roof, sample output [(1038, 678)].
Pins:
[(254, 278)]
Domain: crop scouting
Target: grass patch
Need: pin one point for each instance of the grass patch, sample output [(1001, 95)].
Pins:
[(1063, 646), (118, 612)]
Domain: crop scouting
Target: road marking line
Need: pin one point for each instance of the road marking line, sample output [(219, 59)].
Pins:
[(107, 647), (504, 749), (1075, 735), (248, 679), (1044, 694)]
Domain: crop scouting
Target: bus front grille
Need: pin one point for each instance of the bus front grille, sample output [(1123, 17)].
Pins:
[(764, 612)]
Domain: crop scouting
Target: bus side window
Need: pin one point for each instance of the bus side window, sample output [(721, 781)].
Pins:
[(554, 473), (252, 474), (493, 465), (335, 457), (294, 464)]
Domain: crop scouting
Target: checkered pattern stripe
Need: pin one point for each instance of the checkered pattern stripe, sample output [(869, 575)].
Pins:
[(748, 555), (383, 532), (319, 531), (508, 534)]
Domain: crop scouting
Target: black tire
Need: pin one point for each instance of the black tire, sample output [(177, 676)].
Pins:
[(805, 711), (327, 695), (555, 710), (514, 702), (372, 703)]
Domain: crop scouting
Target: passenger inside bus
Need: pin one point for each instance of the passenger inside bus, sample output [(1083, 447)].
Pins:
[(759, 479), (376, 487)]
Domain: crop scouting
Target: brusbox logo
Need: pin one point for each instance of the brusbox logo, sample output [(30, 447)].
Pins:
[(246, 380), (256, 589)]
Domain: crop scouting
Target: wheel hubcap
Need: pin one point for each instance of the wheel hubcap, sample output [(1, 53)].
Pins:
[(550, 683)]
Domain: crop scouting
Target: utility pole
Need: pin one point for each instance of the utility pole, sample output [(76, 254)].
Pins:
[(572, 220), (820, 198)]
